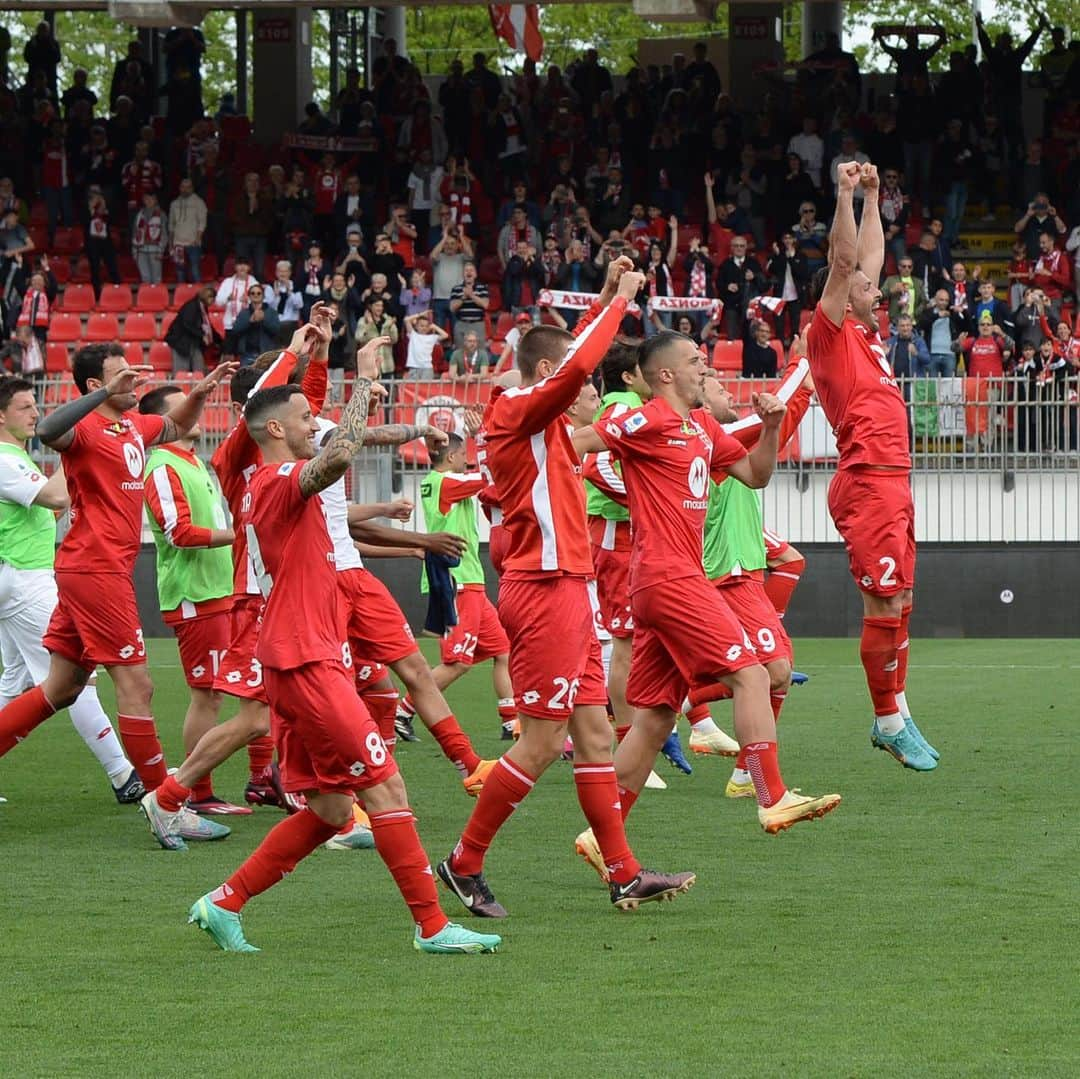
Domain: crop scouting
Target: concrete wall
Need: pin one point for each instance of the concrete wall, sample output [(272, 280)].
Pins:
[(976, 590)]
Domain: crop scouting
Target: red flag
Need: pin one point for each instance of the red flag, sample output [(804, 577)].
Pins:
[(519, 26), (757, 307)]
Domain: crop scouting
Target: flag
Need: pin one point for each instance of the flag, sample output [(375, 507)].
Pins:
[(519, 26), (757, 307)]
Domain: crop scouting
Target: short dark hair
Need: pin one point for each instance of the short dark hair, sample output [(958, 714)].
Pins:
[(242, 383), (817, 284), (440, 453), (656, 345), (154, 402), (10, 386), (262, 404), (621, 359), (541, 343), (89, 362)]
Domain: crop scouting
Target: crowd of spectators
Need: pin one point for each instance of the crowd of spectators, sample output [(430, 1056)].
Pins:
[(446, 219)]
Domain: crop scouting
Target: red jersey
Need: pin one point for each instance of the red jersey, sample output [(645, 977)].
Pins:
[(858, 391), (293, 558), (327, 188), (528, 455), (237, 458), (104, 466), (666, 465), (984, 358)]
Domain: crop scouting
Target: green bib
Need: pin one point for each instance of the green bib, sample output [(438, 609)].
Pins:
[(733, 524), (27, 533), (461, 520), (190, 574), (597, 503)]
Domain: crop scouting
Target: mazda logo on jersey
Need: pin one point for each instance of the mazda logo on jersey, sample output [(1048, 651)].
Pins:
[(133, 458), (698, 477)]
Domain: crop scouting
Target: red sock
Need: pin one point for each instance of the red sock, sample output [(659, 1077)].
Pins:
[(172, 794), (505, 786), (285, 845), (627, 798), (764, 770), (203, 789), (598, 795), (782, 582), (903, 649), (740, 760), (698, 713), (777, 702), (22, 715), (878, 653), (260, 754), (621, 733), (140, 739), (399, 847), (382, 704), (455, 744)]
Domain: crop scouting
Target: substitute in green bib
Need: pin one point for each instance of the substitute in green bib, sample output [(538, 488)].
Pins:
[(28, 501), (448, 500), (194, 576)]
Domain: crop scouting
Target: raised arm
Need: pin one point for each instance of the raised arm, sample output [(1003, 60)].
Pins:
[(871, 239), (183, 417), (57, 429), (756, 468), (843, 249)]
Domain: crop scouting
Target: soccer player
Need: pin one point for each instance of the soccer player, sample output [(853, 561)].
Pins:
[(329, 746), (103, 442), (555, 664), (447, 498), (27, 586), (194, 576), (687, 641), (870, 496)]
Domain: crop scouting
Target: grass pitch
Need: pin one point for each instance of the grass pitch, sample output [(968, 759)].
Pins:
[(927, 927)]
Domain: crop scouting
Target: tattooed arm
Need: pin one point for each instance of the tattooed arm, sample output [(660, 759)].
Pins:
[(396, 434), (182, 418)]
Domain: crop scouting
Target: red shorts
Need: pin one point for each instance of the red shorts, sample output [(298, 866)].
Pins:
[(366, 673), (613, 590), (498, 541), (478, 635), (775, 546), (203, 643), (96, 620), (377, 628), (685, 638), (555, 659), (240, 674), (875, 514), (752, 607), (326, 739)]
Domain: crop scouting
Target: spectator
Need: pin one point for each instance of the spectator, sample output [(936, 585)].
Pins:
[(149, 239), (448, 262), (284, 297), (930, 264), (906, 350), (516, 231), (310, 275), (423, 185), (402, 236), (187, 223), (56, 179), (99, 242), (232, 293), (24, 355), (1004, 65), (416, 296), (962, 292), (992, 150), (793, 191), (1073, 244), (78, 91), (988, 303), (422, 336), (469, 302), (519, 196), (252, 219), (551, 260), (10, 201), (575, 275), (747, 188), (738, 280), (988, 352), (328, 184), (257, 328), (904, 291), (1039, 217), (658, 280), (1020, 269), (192, 333), (211, 180), (42, 55), (378, 322), (14, 239), (940, 325), (523, 280), (849, 151), (613, 205), (470, 362), (507, 137), (37, 305), (1052, 273), (508, 357), (139, 176), (956, 164), (1028, 318), (454, 101), (758, 357), (811, 238), (386, 260), (349, 207), (351, 260), (810, 147), (893, 206), (789, 275), (184, 47)]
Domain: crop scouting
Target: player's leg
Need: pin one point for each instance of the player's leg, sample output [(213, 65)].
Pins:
[(504, 693), (96, 730), (618, 672), (786, 566), (135, 718), (60, 689)]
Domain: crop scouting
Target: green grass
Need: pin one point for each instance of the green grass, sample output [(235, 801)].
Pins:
[(927, 927)]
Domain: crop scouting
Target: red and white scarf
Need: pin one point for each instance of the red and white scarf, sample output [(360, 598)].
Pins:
[(460, 208), (35, 311), (698, 279)]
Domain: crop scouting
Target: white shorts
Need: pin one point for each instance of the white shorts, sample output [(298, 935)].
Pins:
[(27, 600)]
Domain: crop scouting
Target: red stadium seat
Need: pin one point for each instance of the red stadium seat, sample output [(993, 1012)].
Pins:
[(102, 326), (140, 326), (490, 270), (60, 391), (61, 268), (183, 293), (57, 358), (727, 356), (167, 320), (115, 298), (77, 298), (160, 356), (133, 353), (152, 298), (81, 272), (504, 324), (68, 241), (65, 326)]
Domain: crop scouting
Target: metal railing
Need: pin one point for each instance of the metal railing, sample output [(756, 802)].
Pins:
[(993, 460)]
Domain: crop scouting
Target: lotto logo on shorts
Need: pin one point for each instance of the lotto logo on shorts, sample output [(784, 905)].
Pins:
[(530, 697), (198, 672), (126, 652), (866, 582), (233, 677), (733, 653), (357, 768)]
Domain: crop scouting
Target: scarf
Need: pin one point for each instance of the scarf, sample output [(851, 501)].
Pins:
[(33, 361), (35, 311), (698, 279), (460, 208)]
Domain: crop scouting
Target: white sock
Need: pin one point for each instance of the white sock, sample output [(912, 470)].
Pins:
[(893, 724), (740, 775), (704, 726), (606, 648), (902, 704), (88, 718)]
